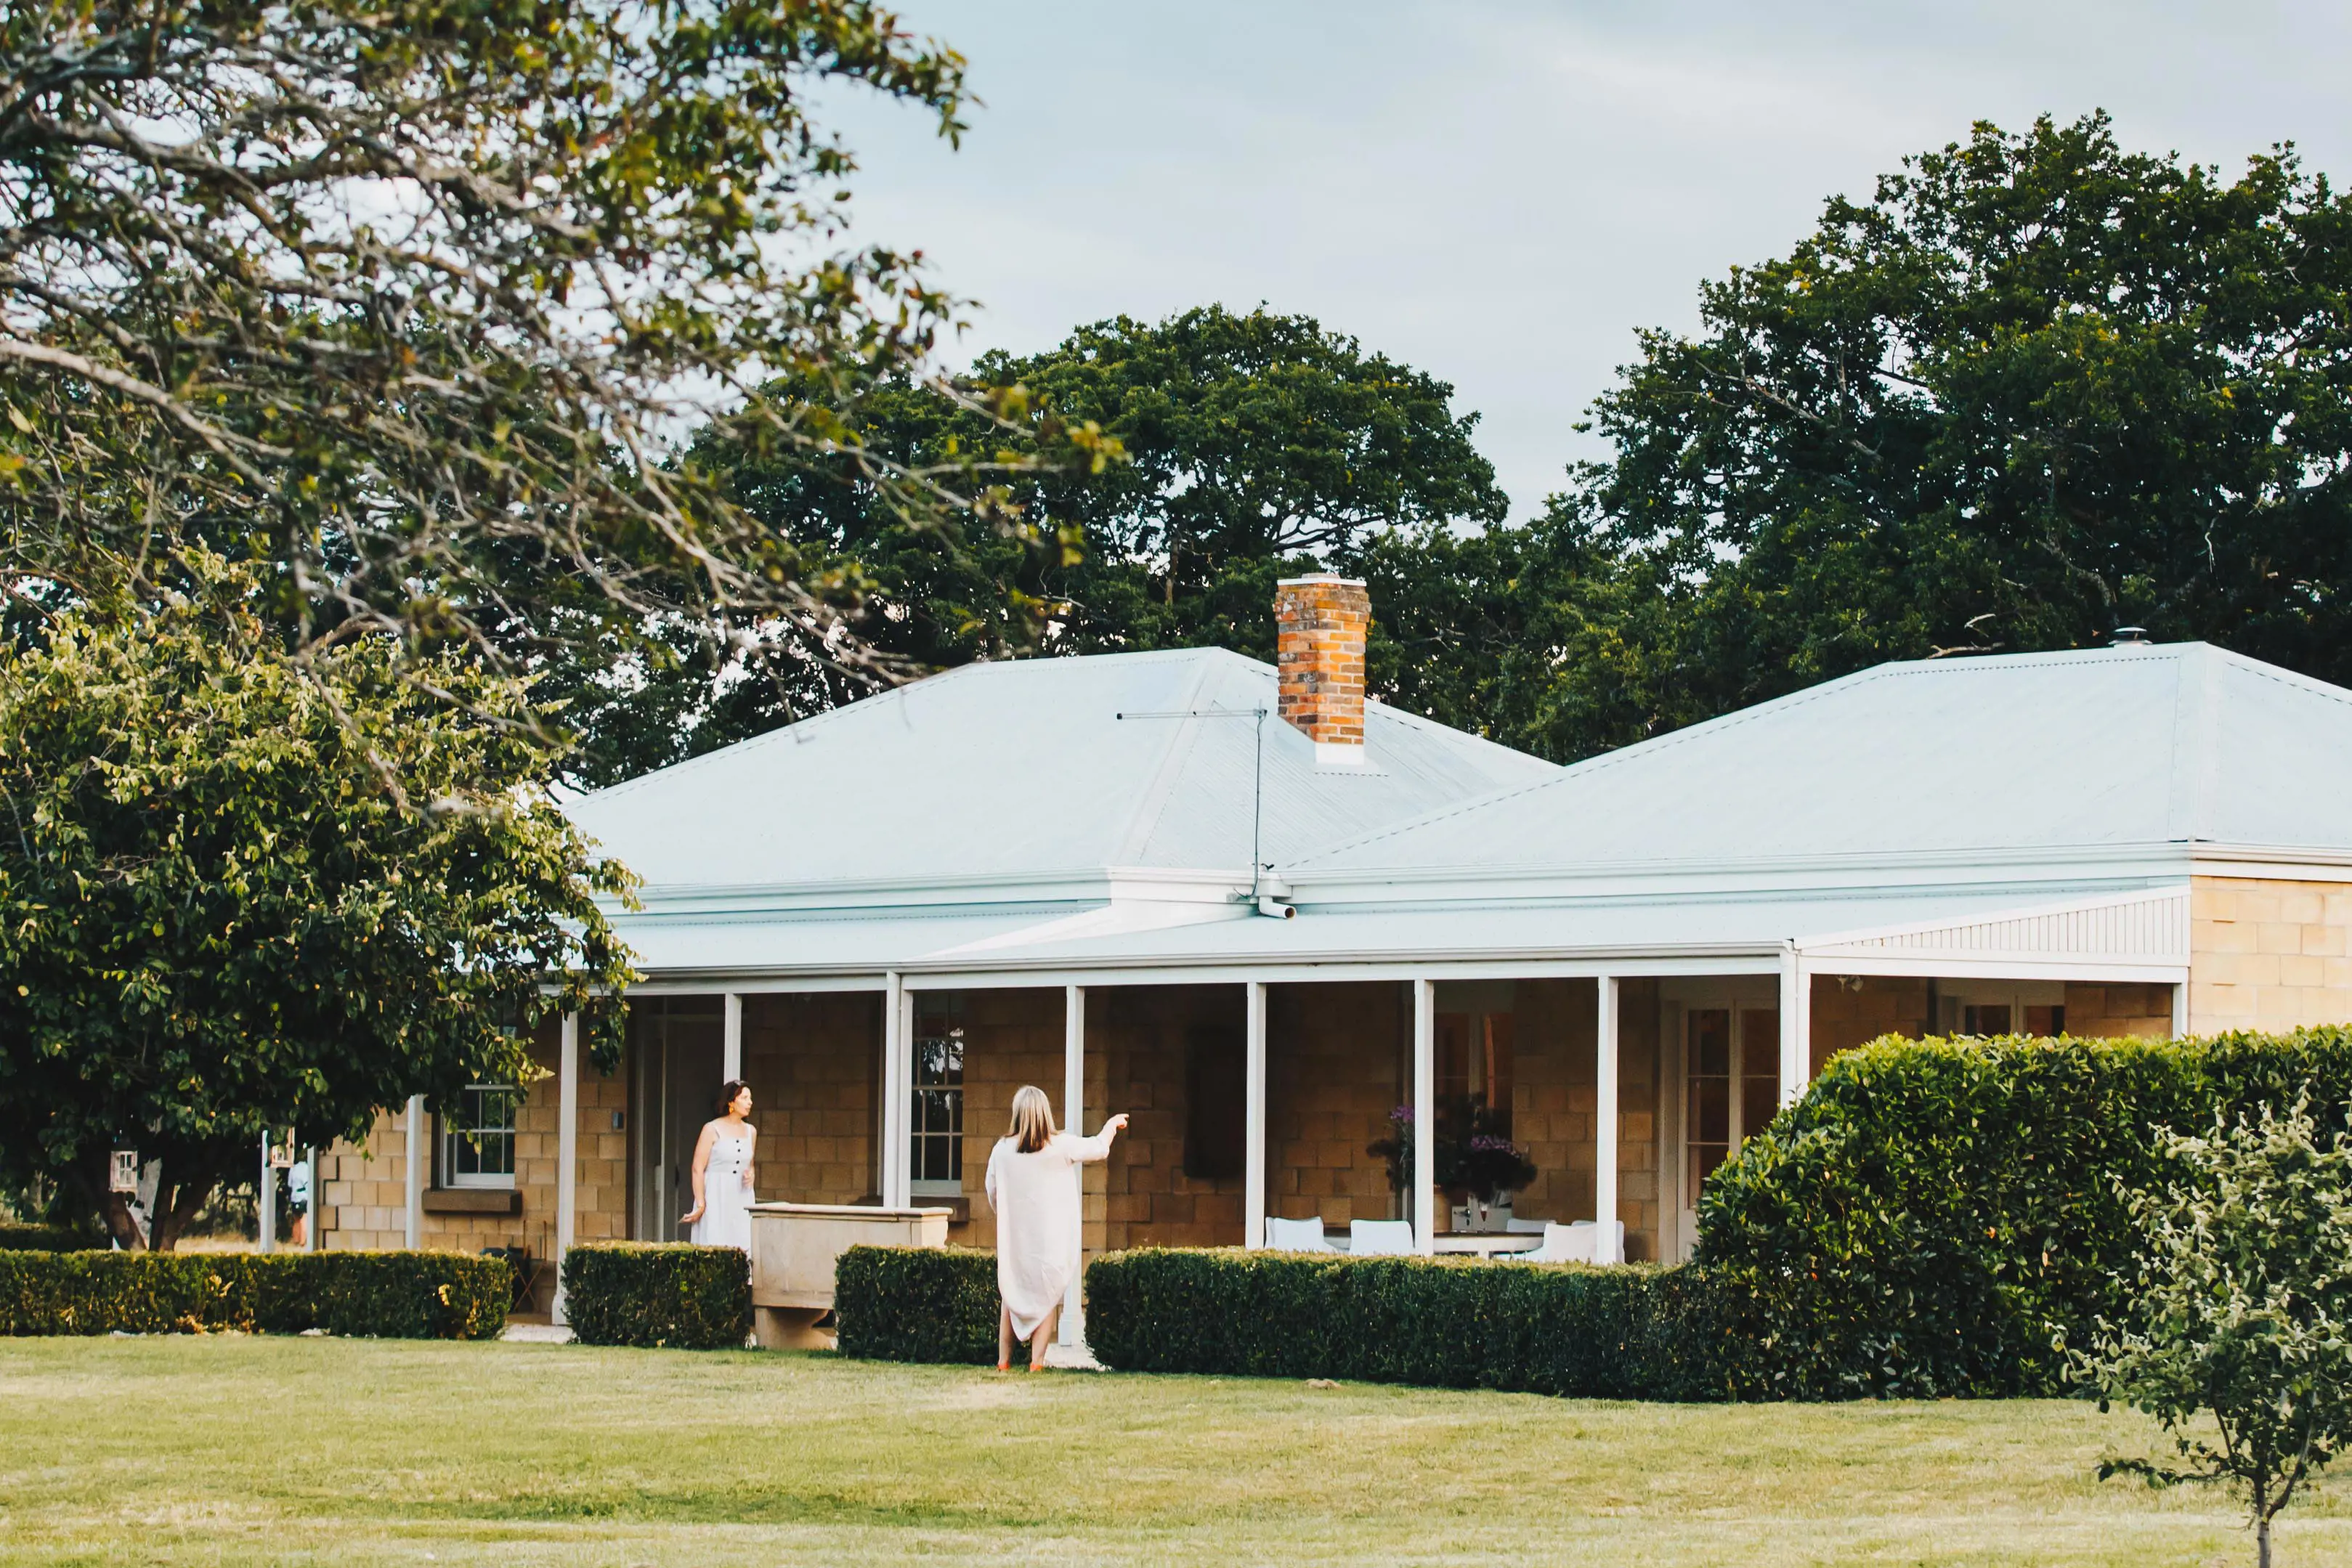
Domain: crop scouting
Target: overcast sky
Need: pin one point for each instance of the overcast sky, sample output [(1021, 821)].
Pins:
[(1500, 194)]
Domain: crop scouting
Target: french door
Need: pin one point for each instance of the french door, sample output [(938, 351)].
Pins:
[(1731, 1088)]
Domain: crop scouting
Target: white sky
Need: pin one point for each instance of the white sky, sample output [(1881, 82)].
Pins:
[(1500, 194)]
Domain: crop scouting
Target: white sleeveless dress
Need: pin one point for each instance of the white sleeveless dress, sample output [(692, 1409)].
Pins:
[(725, 1203)]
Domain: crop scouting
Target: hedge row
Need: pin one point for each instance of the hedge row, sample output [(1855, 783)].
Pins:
[(928, 1304), (1639, 1331), (1935, 1216), (659, 1294), (16, 1236), (389, 1295)]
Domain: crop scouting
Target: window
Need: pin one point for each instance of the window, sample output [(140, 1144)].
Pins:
[(1216, 1109), (1735, 1084), (478, 1139), (937, 1125)]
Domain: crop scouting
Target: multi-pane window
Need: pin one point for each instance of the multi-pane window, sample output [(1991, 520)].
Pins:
[(1735, 1083), (937, 1156), (477, 1137)]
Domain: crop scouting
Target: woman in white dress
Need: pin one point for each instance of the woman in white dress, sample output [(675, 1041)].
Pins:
[(1032, 1186), (722, 1173)]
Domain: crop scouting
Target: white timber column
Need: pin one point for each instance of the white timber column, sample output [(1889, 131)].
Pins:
[(730, 1047), (1604, 1121), (1424, 1117), (567, 1153), (1073, 1119), (1796, 1026), (311, 1240), (417, 1154), (2180, 1010), (898, 1092), (1254, 1123), (265, 1239)]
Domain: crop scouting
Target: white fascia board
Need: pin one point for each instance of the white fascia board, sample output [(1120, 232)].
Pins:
[(1953, 966), (1092, 885), (2092, 869), (2272, 863)]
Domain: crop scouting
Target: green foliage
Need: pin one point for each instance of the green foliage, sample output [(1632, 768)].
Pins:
[(1631, 1333), (16, 1238), (392, 1295), (1250, 446), (2034, 388), (659, 1294), (917, 1303), (399, 302), (2243, 1308), (1938, 1218), (237, 895)]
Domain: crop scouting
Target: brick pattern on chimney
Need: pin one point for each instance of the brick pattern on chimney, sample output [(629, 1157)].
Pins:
[(1321, 623)]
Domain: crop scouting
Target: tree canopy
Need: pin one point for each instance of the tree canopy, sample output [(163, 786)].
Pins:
[(1246, 446), (2035, 388), (217, 918), (403, 304)]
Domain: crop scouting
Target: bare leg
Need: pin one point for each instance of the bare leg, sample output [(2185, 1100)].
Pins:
[(1043, 1337), (1004, 1338)]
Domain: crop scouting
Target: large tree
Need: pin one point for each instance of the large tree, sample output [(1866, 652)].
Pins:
[(2035, 388), (234, 898), (403, 303), (1247, 445)]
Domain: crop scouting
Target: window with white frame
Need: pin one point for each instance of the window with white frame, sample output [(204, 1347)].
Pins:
[(477, 1137), (936, 1127)]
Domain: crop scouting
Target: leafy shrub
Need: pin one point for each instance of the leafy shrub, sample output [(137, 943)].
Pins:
[(659, 1294), (917, 1303), (20, 1238), (1567, 1329), (393, 1295), (1935, 1218)]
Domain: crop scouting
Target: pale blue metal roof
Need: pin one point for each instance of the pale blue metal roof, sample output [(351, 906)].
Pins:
[(999, 772), (2029, 757)]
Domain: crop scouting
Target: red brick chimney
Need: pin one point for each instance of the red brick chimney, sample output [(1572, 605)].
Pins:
[(1322, 622)]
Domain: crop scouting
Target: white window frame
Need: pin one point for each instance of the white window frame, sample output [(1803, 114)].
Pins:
[(451, 1132), (949, 1097)]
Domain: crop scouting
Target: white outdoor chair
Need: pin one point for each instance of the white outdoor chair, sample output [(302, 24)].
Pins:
[(1517, 1227), (1572, 1243), (1381, 1239), (1296, 1236)]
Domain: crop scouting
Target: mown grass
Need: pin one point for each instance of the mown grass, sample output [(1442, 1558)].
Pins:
[(235, 1449)]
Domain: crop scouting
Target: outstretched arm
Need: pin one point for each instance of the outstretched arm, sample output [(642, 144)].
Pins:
[(1097, 1148), (702, 1161)]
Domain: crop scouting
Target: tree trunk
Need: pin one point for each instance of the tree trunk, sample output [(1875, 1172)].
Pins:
[(175, 1206), (2262, 1540)]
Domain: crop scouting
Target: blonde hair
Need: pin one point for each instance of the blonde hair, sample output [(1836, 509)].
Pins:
[(1032, 1120)]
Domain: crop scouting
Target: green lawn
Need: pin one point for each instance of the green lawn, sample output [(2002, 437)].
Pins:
[(234, 1449)]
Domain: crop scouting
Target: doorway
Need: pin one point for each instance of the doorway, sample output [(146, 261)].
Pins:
[(680, 1049), (1725, 1043)]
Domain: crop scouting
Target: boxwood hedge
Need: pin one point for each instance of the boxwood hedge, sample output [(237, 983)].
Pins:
[(1639, 1331), (393, 1295), (1936, 1217), (917, 1303), (670, 1294)]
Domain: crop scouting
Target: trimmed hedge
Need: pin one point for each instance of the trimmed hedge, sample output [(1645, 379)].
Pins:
[(917, 1303), (16, 1236), (389, 1295), (1640, 1331), (1935, 1218), (660, 1294)]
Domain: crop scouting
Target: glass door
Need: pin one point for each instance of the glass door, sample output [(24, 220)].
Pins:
[(1733, 1087)]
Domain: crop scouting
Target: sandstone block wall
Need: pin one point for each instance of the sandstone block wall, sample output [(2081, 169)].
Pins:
[(2268, 955)]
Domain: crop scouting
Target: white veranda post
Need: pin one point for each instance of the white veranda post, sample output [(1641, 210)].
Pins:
[(730, 1047), (266, 1210), (567, 1151), (1604, 1122), (417, 1153), (1073, 1119), (1254, 1123), (1424, 1117), (1796, 1026), (898, 1093)]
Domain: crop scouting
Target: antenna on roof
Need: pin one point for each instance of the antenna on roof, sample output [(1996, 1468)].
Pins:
[(2130, 637), (1258, 771)]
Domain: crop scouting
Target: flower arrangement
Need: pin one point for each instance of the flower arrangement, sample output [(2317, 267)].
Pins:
[(1473, 1154)]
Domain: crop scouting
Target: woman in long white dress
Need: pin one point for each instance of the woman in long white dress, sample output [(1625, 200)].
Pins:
[(1032, 1186), (722, 1173)]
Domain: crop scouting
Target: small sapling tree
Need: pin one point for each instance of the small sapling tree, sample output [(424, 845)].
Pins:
[(2245, 1312)]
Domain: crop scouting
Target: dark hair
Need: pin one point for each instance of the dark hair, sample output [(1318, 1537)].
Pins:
[(726, 1093)]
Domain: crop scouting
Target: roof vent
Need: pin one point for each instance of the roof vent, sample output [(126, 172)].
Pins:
[(2130, 637)]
